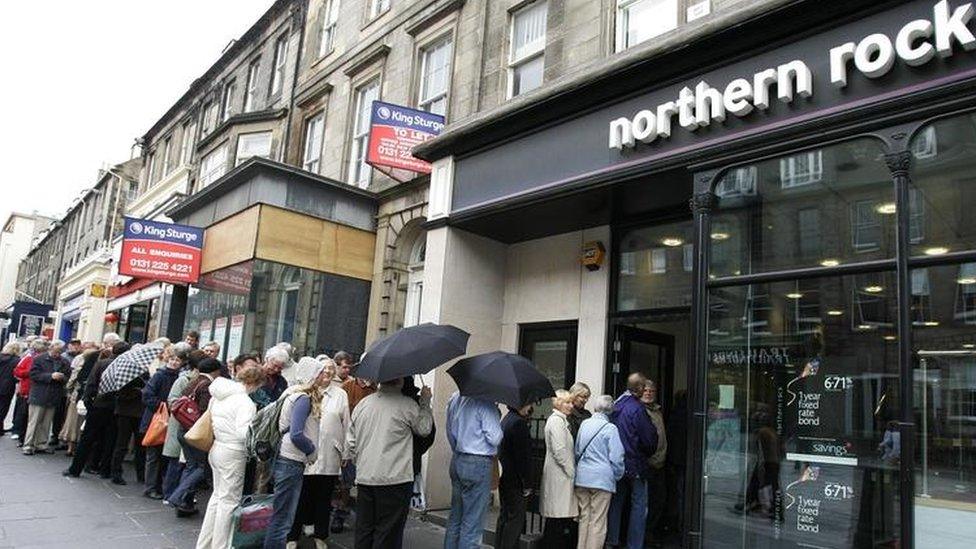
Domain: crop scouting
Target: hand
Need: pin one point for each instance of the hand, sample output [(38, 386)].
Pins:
[(425, 395), (57, 376), (345, 463)]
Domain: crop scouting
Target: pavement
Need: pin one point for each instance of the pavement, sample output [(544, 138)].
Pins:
[(41, 508)]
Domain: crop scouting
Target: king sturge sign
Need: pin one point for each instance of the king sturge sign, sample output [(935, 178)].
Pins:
[(161, 251), (395, 131)]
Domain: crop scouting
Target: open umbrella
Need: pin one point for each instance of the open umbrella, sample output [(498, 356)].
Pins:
[(501, 377), (128, 366), (411, 351)]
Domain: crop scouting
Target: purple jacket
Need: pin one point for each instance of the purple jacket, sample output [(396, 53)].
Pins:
[(637, 434)]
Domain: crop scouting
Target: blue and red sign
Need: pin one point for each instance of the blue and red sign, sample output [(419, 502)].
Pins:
[(161, 251), (394, 132)]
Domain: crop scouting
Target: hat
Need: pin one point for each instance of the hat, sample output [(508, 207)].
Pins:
[(307, 370)]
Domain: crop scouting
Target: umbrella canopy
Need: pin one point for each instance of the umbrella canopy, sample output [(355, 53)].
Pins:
[(128, 366), (411, 351), (501, 377)]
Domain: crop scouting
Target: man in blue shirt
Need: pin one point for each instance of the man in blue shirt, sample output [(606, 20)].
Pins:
[(474, 431)]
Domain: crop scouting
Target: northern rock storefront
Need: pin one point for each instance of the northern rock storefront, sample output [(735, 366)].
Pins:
[(810, 318)]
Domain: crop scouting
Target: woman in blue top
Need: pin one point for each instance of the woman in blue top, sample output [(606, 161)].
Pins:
[(599, 465)]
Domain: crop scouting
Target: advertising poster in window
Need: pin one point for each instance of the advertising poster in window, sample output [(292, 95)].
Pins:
[(394, 132), (206, 331), (219, 333), (236, 336), (161, 251), (30, 325)]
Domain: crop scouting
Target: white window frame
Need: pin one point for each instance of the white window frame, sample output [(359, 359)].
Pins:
[(210, 116), (425, 101), (658, 261), (531, 52), (244, 137), (622, 21), (330, 18), (857, 225), (226, 102), (792, 174), (378, 8), (925, 145), (313, 141), (360, 173), (167, 148), (251, 90), (737, 182), (213, 165), (150, 166), (186, 151), (280, 60)]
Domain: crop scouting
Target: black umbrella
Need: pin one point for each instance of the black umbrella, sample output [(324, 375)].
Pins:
[(501, 377), (411, 351)]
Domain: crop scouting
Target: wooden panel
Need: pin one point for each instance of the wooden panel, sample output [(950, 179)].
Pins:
[(231, 240), (297, 239)]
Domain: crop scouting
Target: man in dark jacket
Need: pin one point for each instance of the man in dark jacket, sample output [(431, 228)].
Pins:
[(155, 392), (514, 486), (639, 438), (48, 374), (128, 413)]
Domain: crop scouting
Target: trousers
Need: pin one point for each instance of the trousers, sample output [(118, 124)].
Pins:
[(593, 505), (470, 492), (314, 506), (126, 430), (381, 513), (288, 475), (95, 438), (511, 515), (228, 483), (39, 419)]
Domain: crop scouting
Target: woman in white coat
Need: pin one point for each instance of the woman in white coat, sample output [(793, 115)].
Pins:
[(231, 410), (558, 500), (315, 501)]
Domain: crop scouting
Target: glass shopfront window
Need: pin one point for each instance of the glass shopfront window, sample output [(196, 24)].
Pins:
[(654, 267), (802, 389), (254, 305), (820, 207)]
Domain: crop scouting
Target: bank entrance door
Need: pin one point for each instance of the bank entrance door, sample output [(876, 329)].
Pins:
[(648, 352)]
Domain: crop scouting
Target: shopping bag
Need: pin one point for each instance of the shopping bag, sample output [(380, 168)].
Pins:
[(156, 432), (201, 435), (251, 519), (186, 411)]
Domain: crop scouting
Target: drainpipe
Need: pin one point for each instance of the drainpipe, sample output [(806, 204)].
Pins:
[(285, 144)]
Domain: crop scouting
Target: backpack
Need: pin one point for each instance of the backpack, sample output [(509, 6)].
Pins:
[(263, 434)]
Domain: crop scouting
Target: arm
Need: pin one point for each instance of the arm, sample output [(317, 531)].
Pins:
[(645, 431), (451, 438), (176, 391), (243, 419), (491, 427), (150, 393), (296, 425), (351, 438), (346, 422), (616, 454), (522, 449), (37, 373)]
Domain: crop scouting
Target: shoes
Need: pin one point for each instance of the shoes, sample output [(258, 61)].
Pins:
[(184, 512), (28, 451), (92, 471), (61, 447), (153, 494), (68, 473), (105, 476), (47, 450), (15, 436), (119, 480)]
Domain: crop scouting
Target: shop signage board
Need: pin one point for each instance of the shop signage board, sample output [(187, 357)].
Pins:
[(235, 279), (236, 336), (30, 325), (393, 133), (161, 251), (206, 329), (219, 333)]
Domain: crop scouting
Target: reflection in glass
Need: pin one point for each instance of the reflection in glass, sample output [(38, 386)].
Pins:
[(802, 391), (821, 207), (654, 267)]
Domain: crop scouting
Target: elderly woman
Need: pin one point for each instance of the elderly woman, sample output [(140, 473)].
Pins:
[(558, 471), (8, 383), (599, 465), (314, 503), (581, 394)]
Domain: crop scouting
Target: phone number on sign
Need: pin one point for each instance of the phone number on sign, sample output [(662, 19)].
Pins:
[(165, 266)]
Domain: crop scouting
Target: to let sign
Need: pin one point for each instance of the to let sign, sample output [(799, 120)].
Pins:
[(394, 132), (161, 251)]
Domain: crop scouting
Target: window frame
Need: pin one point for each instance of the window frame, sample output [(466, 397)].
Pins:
[(227, 100), (251, 85), (238, 160), (167, 149), (515, 62), (279, 62), (621, 11), (203, 180), (186, 147), (313, 164), (330, 23), (377, 8), (423, 54), (857, 225), (359, 140), (791, 178)]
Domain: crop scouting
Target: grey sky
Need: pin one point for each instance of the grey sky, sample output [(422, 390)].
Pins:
[(83, 79)]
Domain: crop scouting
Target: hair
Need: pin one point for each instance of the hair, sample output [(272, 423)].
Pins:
[(276, 354), (329, 365), (164, 341), (12, 348), (181, 350), (251, 376), (562, 396), (120, 347), (56, 345), (649, 383), (195, 357), (244, 357), (104, 353), (343, 356), (208, 365), (39, 345), (194, 334), (211, 344), (110, 339), (580, 388), (286, 346), (75, 341), (322, 357), (635, 382), (603, 404)]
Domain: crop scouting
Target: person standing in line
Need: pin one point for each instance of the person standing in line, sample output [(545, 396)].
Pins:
[(171, 448), (557, 498), (195, 471), (656, 477), (513, 487), (380, 442), (300, 416), (155, 392), (72, 350), (274, 361), (474, 431), (48, 374), (35, 347), (639, 440), (71, 429), (231, 412), (599, 465), (314, 503), (355, 391), (128, 413), (581, 394), (344, 364), (193, 339), (8, 383)]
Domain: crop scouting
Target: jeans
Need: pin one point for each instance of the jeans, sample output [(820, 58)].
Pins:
[(155, 468), (632, 494), (470, 490), (381, 514), (193, 473), (511, 515), (171, 480), (288, 475)]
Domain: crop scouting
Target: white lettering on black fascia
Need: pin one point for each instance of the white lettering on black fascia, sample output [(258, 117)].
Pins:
[(915, 44)]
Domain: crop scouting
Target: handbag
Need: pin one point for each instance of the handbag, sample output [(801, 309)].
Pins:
[(81, 409), (186, 411), (201, 435), (250, 520), (156, 432)]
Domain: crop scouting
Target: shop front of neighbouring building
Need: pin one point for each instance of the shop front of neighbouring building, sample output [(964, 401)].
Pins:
[(784, 208)]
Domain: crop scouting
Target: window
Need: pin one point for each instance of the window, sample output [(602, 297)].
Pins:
[(150, 165), (209, 117), (916, 216), (801, 169), (330, 15), (251, 93), (186, 153), (378, 7), (226, 105), (253, 144), (213, 166), (527, 49), (280, 55), (737, 182), (435, 76), (924, 145), (167, 149), (132, 192), (688, 257), (312, 155), (921, 302), (359, 170), (640, 20), (866, 225), (659, 260), (966, 293), (808, 232)]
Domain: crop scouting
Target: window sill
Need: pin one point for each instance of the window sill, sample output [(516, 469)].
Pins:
[(377, 17)]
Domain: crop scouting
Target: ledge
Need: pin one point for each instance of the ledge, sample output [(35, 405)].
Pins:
[(366, 58), (238, 119), (436, 13)]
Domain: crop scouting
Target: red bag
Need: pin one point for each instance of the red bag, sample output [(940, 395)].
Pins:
[(156, 432), (186, 411)]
